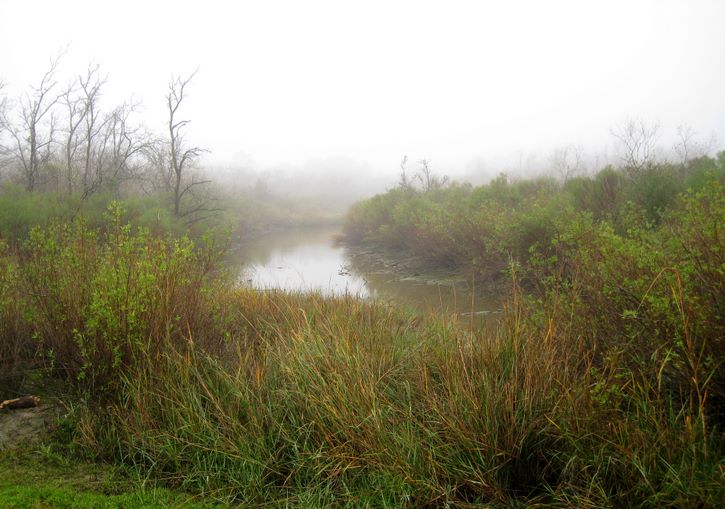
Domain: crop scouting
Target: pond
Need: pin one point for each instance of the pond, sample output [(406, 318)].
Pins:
[(314, 259)]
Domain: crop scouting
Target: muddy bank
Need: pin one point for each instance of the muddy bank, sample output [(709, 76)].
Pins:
[(415, 279), (409, 267), (18, 427)]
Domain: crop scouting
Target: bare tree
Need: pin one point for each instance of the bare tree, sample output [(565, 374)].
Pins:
[(181, 156), (403, 181), (102, 148), (158, 172), (427, 179), (639, 144), (567, 161), (93, 125), (688, 146), (3, 105), (3, 115), (75, 111), (123, 145), (33, 134)]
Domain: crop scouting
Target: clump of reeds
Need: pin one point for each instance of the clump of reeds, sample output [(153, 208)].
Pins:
[(348, 403)]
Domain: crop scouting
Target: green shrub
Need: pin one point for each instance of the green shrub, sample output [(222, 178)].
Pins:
[(99, 301)]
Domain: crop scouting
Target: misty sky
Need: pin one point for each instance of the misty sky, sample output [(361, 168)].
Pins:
[(281, 83)]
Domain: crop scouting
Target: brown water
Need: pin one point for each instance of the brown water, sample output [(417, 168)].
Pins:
[(311, 259)]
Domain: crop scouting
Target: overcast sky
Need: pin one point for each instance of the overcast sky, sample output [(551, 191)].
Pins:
[(285, 82)]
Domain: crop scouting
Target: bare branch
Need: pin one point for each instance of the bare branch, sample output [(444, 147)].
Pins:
[(639, 144), (688, 146), (32, 133), (429, 181), (567, 161), (180, 157)]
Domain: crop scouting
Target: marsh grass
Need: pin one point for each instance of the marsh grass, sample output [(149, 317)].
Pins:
[(300, 400), (361, 406)]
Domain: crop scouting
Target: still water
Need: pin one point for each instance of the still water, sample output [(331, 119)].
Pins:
[(312, 259)]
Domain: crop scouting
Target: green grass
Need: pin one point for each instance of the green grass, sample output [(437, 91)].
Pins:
[(36, 477), (45, 494)]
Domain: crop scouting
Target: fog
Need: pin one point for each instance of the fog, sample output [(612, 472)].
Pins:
[(291, 88)]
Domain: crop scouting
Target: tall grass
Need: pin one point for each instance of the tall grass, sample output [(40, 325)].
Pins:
[(596, 393), (348, 404)]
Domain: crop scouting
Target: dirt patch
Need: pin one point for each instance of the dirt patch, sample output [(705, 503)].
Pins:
[(21, 426)]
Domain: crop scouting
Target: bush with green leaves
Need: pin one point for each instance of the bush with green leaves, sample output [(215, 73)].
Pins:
[(486, 227), (100, 300)]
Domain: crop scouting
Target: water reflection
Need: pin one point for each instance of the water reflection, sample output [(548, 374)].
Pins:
[(311, 259), (296, 260)]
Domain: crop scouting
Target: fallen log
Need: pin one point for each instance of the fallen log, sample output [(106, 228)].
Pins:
[(24, 402)]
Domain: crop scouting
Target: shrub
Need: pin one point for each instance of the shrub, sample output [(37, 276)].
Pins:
[(99, 301)]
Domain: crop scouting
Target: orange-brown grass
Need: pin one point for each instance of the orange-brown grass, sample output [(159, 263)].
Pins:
[(346, 403)]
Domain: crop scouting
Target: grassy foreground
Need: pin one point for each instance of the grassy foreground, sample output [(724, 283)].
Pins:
[(41, 479), (604, 391)]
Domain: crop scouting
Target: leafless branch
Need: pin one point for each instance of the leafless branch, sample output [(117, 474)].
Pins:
[(639, 144), (31, 133), (180, 157), (688, 146)]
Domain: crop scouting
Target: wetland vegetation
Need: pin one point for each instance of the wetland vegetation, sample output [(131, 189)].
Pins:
[(601, 386), (292, 334)]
